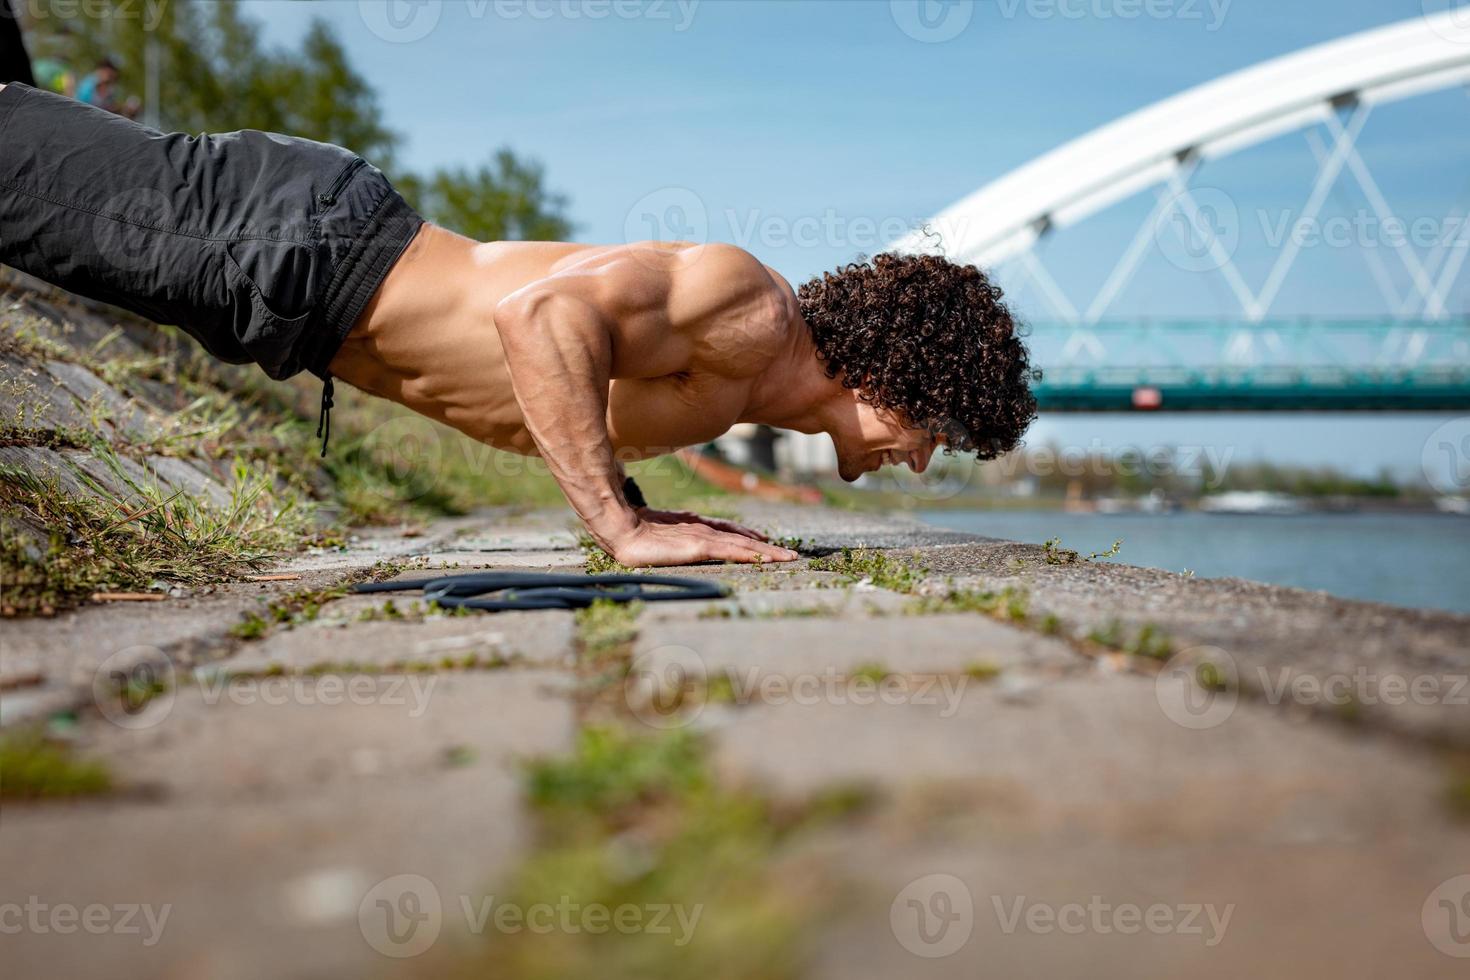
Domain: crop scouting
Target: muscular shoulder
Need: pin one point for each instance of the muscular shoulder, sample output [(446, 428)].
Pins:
[(673, 308), (738, 312)]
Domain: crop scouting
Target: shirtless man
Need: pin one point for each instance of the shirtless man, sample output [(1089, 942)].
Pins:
[(300, 255)]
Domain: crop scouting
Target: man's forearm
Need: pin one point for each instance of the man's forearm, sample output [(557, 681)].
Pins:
[(560, 358), (564, 337)]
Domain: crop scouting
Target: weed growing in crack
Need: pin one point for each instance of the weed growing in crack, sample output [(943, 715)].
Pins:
[(876, 567), (1009, 603), (1054, 554), (607, 625), (99, 543), (33, 767)]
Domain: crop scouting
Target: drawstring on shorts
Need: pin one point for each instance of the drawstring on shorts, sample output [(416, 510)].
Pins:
[(324, 421)]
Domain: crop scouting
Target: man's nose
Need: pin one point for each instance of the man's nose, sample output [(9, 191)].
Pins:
[(920, 459)]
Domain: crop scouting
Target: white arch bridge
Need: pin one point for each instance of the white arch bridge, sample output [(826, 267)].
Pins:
[(1417, 357)]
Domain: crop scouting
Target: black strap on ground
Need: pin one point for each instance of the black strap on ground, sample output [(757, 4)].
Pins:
[(324, 420), (496, 591)]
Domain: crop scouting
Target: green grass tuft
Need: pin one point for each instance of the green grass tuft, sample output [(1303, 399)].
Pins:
[(1009, 603), (34, 768), (877, 567), (1211, 678), (606, 626), (612, 772), (97, 543), (875, 672), (1152, 642), (1110, 634), (597, 561), (251, 626), (638, 822), (1054, 554), (1457, 795), (982, 670)]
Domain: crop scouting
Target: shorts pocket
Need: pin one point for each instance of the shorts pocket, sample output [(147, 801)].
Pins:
[(281, 275), (273, 301)]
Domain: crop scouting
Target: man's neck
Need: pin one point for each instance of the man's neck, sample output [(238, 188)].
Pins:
[(794, 392)]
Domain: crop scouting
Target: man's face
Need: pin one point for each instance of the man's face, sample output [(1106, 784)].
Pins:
[(869, 438)]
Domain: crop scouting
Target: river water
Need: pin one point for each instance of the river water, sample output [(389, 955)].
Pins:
[(1406, 559)]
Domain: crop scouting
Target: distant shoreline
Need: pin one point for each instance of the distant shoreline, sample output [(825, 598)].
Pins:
[(1310, 505)]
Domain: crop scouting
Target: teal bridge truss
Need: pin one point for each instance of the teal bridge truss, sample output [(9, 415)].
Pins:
[(1267, 366)]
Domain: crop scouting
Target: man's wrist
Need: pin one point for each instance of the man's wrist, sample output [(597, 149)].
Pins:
[(614, 526)]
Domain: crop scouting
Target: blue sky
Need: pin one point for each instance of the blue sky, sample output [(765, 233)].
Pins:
[(805, 131)]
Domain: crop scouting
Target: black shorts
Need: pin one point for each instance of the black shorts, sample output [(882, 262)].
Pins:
[(265, 248)]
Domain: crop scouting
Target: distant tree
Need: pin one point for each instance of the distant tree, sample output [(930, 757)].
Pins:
[(217, 75), (326, 99), (504, 200)]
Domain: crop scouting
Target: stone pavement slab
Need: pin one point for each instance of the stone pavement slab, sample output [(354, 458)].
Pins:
[(1407, 670), (945, 909), (786, 598), (1095, 754), (341, 636), (791, 646), (1324, 844), (266, 818)]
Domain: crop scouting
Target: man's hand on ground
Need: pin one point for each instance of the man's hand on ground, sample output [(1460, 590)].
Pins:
[(686, 517), (676, 542)]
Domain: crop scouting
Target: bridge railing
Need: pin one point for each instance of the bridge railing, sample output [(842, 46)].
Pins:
[(1201, 365)]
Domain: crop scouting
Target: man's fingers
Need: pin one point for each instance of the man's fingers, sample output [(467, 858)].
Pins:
[(743, 553), (688, 517), (751, 546), (719, 524), (685, 543), (730, 527)]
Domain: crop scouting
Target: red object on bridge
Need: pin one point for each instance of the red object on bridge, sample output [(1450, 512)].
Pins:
[(733, 479), (1147, 399)]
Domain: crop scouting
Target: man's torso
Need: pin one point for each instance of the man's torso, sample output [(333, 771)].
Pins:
[(428, 340)]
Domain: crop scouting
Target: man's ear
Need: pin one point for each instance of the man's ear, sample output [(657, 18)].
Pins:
[(888, 416)]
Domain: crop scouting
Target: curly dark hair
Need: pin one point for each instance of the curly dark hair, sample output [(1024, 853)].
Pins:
[(929, 339)]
